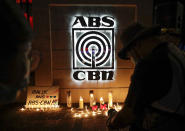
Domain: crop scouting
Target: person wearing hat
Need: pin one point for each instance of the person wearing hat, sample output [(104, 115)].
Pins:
[(155, 100), (16, 36)]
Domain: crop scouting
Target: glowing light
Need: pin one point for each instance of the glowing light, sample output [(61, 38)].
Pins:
[(91, 98), (69, 104), (22, 109), (110, 99), (106, 113), (86, 115), (117, 107), (57, 106), (77, 115), (93, 113), (93, 48), (81, 103), (101, 100)]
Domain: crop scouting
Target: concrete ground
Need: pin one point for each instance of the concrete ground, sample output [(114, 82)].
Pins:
[(13, 119)]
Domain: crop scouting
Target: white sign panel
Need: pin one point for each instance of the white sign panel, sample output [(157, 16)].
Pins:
[(42, 97)]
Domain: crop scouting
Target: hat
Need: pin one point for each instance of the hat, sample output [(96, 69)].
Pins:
[(133, 33)]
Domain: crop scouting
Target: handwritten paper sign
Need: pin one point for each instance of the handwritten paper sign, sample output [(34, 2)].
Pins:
[(42, 97)]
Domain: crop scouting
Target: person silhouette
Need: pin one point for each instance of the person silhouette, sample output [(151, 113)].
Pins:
[(155, 100), (16, 36)]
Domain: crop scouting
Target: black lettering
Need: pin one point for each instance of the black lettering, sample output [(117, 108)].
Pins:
[(110, 76), (33, 102), (94, 22), (40, 96), (54, 101), (104, 75), (44, 92), (81, 20), (47, 102), (108, 21), (36, 92), (93, 75), (76, 75)]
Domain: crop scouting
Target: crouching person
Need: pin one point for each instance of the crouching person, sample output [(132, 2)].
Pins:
[(155, 100)]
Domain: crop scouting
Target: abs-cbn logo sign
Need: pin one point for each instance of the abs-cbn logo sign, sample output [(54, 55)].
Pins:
[(93, 48)]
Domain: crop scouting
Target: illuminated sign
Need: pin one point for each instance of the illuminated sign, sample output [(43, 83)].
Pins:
[(93, 48)]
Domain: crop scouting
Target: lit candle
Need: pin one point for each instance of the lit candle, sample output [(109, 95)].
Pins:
[(81, 103), (101, 101), (77, 115), (86, 108), (86, 115), (93, 113), (91, 94), (22, 109), (69, 99), (110, 99), (106, 113), (118, 107)]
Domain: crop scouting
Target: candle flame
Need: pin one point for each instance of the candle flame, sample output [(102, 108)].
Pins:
[(77, 115), (81, 99), (22, 109), (86, 115), (101, 98), (91, 95)]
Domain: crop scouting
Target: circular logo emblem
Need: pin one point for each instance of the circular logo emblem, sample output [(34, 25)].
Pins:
[(93, 49)]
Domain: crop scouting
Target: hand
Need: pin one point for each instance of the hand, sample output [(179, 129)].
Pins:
[(110, 121), (121, 119)]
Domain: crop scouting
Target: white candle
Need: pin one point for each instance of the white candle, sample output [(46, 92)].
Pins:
[(91, 98), (81, 103), (68, 99), (101, 101), (110, 99)]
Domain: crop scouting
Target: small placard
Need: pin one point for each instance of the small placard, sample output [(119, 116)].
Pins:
[(42, 97)]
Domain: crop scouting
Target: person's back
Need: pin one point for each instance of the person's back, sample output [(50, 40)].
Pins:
[(153, 87)]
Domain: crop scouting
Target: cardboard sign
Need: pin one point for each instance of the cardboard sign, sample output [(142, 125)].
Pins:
[(42, 97)]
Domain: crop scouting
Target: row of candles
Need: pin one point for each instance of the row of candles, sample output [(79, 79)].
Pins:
[(76, 113), (102, 110), (91, 101), (42, 106), (88, 113), (80, 111)]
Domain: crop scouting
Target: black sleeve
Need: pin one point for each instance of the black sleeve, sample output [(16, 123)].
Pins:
[(150, 81)]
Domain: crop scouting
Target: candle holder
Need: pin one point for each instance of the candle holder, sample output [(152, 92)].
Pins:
[(91, 95), (81, 103), (69, 99), (110, 99), (101, 101)]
